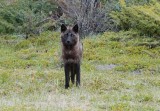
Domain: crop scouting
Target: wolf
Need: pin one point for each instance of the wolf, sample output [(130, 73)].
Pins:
[(71, 53)]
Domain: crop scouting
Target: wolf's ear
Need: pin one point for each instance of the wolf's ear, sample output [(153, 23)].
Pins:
[(75, 28), (63, 28)]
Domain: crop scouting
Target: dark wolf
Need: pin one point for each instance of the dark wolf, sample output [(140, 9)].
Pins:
[(71, 54)]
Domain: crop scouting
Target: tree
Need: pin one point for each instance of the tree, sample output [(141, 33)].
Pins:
[(91, 15)]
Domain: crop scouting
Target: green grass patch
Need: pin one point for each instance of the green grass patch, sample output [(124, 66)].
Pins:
[(120, 71)]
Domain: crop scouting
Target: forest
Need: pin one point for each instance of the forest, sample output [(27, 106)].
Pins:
[(120, 69)]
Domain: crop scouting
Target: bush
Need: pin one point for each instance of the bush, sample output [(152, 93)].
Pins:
[(145, 18), (91, 15), (5, 27), (137, 2), (26, 16)]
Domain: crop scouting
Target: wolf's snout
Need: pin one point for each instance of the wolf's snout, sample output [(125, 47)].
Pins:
[(68, 42)]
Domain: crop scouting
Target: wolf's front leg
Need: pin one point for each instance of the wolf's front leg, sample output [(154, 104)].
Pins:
[(77, 66), (73, 72), (66, 70)]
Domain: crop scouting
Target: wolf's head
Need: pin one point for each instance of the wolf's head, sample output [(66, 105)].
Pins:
[(69, 35)]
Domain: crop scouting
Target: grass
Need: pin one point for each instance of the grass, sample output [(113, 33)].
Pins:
[(31, 77)]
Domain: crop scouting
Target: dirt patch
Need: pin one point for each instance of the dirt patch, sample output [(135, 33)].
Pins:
[(106, 67), (136, 72)]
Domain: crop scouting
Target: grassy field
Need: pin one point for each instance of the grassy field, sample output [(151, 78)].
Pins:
[(120, 72)]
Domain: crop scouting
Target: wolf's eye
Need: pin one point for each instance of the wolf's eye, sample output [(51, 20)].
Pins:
[(66, 35), (69, 35)]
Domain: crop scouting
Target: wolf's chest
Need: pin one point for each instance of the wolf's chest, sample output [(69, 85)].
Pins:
[(70, 54)]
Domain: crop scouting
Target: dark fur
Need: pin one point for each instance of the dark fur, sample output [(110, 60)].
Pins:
[(71, 54)]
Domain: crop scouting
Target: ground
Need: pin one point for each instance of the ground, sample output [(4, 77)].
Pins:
[(120, 72)]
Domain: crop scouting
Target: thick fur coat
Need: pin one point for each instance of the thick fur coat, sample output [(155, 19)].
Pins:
[(71, 53)]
